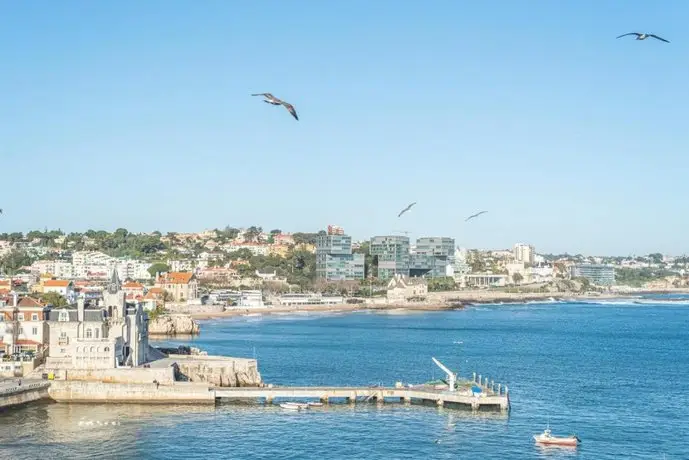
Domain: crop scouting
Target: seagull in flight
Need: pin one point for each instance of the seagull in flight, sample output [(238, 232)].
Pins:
[(474, 215), (270, 99), (640, 36), (406, 209)]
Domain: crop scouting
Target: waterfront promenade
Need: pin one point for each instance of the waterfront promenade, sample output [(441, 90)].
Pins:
[(422, 394)]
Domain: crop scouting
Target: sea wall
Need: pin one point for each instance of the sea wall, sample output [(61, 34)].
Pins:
[(16, 395), (98, 392), (218, 370), (174, 324), (164, 375)]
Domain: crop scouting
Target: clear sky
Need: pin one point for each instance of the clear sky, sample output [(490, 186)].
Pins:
[(137, 114)]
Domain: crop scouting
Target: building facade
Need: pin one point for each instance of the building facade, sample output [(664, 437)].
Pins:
[(182, 286), (392, 252), (401, 289), (22, 326), (109, 335), (335, 260), (600, 275), (524, 253), (434, 257)]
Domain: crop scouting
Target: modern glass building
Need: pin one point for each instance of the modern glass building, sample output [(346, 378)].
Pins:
[(392, 252), (432, 257), (601, 275), (335, 261)]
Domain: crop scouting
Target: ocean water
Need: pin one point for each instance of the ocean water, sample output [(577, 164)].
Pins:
[(615, 373)]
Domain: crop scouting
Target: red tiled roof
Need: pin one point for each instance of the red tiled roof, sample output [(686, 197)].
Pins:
[(132, 285), (176, 278), (56, 283), (30, 302)]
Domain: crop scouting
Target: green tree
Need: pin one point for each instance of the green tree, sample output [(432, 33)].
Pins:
[(158, 267), (445, 283), (252, 233), (54, 299), (517, 278), (15, 259)]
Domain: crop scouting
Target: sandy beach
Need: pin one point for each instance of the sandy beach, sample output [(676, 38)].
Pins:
[(438, 301)]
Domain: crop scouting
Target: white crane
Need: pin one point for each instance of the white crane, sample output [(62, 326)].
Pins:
[(451, 376)]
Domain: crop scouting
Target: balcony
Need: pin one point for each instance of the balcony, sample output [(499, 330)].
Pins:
[(62, 341)]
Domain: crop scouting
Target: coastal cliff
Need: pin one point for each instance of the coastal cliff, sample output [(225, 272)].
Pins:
[(218, 371), (173, 325)]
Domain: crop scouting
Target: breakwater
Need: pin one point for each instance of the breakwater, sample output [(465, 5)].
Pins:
[(14, 394)]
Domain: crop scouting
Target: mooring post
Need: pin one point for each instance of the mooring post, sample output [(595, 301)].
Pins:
[(473, 378), (492, 386), (507, 391), (499, 389), (479, 380)]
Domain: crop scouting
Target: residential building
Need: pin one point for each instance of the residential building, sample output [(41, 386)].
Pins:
[(484, 280), (112, 334), (392, 252), (335, 260), (433, 257), (524, 253), (598, 274), (133, 290), (403, 288), (335, 230), (22, 326), (182, 286), (63, 287)]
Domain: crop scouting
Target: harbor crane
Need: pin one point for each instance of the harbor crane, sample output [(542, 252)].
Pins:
[(451, 376)]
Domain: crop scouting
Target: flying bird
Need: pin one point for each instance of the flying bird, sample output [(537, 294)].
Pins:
[(270, 99), (640, 36), (406, 209), (474, 215)]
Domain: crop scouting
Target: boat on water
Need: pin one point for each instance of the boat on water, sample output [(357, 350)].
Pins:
[(315, 404), (547, 439), (294, 405), (290, 407)]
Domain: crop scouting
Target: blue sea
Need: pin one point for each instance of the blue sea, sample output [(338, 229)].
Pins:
[(616, 373)]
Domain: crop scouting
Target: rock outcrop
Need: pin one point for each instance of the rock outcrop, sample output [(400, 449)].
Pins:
[(218, 371), (173, 325)]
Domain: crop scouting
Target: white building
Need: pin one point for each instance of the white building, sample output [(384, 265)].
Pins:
[(524, 253), (104, 337)]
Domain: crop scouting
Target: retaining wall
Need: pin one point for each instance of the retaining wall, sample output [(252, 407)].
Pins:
[(97, 392)]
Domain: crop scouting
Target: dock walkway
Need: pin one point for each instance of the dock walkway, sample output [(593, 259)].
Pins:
[(421, 394)]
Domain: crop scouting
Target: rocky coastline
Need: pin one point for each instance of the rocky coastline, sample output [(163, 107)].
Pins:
[(173, 324)]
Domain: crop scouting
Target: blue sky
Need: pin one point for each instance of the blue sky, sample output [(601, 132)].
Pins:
[(138, 115)]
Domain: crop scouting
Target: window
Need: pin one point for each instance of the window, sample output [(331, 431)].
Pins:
[(64, 316), (89, 333), (97, 332), (34, 317), (20, 317), (63, 350), (34, 331), (106, 349), (21, 330), (63, 334)]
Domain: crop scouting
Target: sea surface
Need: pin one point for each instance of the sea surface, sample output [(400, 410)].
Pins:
[(616, 373)]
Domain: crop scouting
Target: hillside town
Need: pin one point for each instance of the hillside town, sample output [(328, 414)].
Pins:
[(251, 266), (89, 301)]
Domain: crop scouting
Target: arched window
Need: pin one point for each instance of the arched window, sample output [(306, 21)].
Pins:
[(93, 349), (97, 332), (106, 349), (98, 349), (89, 333), (77, 349)]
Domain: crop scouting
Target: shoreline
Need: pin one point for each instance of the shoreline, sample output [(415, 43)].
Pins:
[(443, 301)]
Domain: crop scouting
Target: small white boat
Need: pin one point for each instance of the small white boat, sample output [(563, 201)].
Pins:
[(296, 404), (315, 404), (547, 439), (288, 406)]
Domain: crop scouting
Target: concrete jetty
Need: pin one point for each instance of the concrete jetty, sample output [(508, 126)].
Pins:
[(13, 394), (421, 394)]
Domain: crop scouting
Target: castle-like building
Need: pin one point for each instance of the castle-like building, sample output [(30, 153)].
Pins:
[(109, 335)]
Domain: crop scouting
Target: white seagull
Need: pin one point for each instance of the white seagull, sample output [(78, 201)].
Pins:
[(640, 36), (270, 99)]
